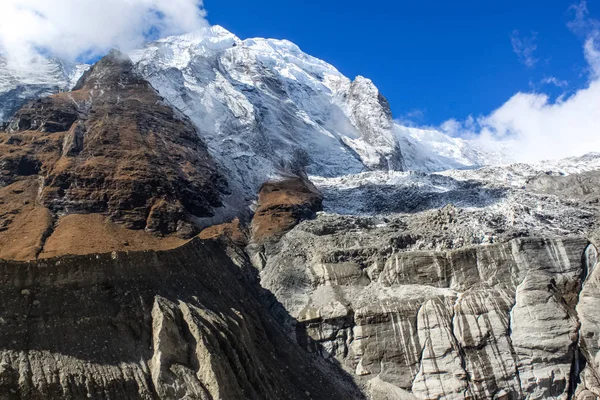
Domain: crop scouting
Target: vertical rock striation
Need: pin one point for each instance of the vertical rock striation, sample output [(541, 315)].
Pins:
[(512, 320)]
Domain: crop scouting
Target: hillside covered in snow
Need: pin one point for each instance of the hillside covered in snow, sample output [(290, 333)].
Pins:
[(42, 77), (265, 109)]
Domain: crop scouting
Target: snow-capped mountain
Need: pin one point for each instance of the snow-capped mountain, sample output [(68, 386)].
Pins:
[(429, 150), (41, 77), (263, 105), (265, 108)]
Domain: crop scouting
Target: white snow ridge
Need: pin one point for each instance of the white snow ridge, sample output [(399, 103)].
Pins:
[(41, 77), (265, 108), (262, 106)]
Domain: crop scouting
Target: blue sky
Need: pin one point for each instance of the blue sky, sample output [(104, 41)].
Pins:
[(434, 60)]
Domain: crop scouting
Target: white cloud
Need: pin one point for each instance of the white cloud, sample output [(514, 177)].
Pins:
[(454, 127), (541, 129), (74, 28), (411, 118), (524, 47), (551, 80), (581, 24), (533, 127), (592, 55)]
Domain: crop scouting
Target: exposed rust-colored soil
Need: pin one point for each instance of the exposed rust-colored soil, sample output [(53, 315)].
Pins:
[(108, 166), (233, 231), (27, 229), (95, 233), (282, 205), (114, 147), (23, 222)]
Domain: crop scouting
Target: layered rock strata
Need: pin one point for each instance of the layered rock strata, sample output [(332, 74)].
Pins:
[(179, 324), (513, 320)]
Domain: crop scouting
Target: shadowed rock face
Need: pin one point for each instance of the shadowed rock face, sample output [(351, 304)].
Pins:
[(112, 146), (185, 323)]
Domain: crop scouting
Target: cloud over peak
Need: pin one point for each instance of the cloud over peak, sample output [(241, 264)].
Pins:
[(86, 28)]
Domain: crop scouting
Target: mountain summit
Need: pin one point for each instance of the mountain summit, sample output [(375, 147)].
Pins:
[(263, 104), (112, 146)]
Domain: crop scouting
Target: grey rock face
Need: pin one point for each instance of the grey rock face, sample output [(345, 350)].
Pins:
[(589, 339), (504, 321), (585, 186), (370, 112)]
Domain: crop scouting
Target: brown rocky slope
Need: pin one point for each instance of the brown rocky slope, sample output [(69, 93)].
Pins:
[(110, 167), (110, 147)]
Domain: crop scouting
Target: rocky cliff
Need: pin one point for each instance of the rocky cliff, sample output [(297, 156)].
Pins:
[(111, 147), (184, 323), (420, 305), (497, 321)]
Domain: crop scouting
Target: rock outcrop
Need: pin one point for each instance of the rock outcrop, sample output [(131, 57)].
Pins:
[(512, 320), (370, 112), (584, 186), (179, 324), (113, 147), (235, 232), (282, 204)]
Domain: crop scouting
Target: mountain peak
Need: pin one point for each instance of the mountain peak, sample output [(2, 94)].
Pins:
[(215, 37), (112, 148), (114, 68)]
